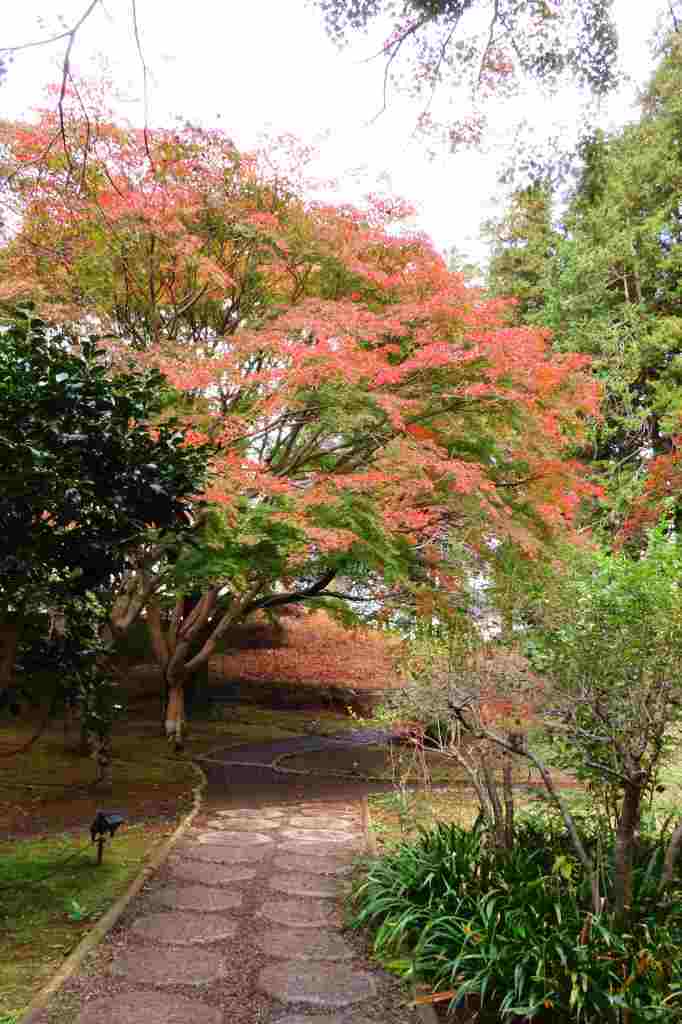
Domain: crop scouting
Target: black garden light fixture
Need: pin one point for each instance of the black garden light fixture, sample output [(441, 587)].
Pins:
[(105, 821)]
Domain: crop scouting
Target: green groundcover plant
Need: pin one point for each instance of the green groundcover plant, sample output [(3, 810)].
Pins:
[(513, 930)]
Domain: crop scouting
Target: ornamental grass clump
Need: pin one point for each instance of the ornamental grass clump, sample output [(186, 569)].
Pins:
[(513, 933)]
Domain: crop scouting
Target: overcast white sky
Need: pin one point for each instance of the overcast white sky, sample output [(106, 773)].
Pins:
[(255, 65)]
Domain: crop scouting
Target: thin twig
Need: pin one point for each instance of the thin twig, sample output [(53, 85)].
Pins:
[(53, 39), (145, 88)]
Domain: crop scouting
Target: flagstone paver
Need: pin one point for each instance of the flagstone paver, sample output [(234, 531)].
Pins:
[(223, 853), (337, 1018), (258, 814), (168, 966), (329, 986), (150, 1008), (329, 821), (184, 929), (316, 865), (305, 944), (247, 910), (219, 875), (300, 884), (243, 824), (300, 913), (199, 897), (237, 838), (311, 847), (317, 835)]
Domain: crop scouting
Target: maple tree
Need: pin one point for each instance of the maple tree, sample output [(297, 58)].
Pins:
[(367, 404)]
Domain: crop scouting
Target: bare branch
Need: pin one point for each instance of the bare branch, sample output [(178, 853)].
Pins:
[(68, 33), (145, 84)]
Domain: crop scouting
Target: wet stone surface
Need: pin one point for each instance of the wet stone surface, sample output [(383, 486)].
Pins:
[(183, 929)]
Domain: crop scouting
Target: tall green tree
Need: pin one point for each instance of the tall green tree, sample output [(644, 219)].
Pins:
[(607, 283), (522, 243)]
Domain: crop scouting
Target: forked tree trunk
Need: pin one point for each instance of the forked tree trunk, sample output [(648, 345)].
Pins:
[(175, 644)]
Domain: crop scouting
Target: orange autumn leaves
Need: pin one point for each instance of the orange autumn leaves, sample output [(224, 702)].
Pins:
[(316, 651), (361, 393)]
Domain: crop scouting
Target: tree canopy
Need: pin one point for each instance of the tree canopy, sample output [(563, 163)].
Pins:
[(488, 47), (367, 403)]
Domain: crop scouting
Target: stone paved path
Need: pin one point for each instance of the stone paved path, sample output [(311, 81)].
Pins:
[(252, 891)]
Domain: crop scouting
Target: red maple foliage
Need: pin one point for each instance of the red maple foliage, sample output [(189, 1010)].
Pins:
[(367, 403), (660, 494)]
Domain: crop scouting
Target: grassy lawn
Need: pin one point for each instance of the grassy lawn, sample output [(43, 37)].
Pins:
[(48, 789), (51, 891)]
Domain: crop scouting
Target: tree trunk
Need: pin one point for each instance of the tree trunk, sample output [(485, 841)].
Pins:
[(175, 711), (100, 746), (625, 844), (495, 802), (671, 855), (508, 792), (85, 742), (9, 639), (196, 691)]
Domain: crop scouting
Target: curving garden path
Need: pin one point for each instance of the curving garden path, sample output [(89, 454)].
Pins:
[(244, 922)]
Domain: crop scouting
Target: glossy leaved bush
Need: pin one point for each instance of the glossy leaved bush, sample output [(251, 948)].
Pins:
[(81, 477)]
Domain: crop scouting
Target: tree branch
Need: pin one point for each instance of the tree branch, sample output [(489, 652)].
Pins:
[(293, 597), (69, 32)]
